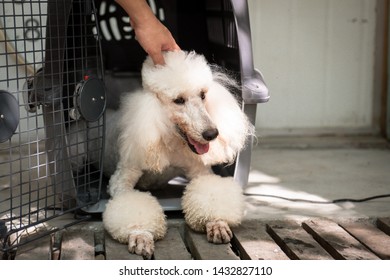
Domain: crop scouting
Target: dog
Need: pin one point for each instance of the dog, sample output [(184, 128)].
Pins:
[(183, 121)]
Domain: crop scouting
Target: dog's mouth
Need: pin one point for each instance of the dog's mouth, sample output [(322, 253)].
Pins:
[(195, 146)]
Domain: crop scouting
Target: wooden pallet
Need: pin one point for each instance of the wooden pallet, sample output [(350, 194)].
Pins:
[(314, 239)]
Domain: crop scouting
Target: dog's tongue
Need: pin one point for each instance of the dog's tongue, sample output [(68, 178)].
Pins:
[(199, 147)]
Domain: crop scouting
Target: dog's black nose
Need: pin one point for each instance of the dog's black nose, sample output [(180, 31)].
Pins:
[(210, 134)]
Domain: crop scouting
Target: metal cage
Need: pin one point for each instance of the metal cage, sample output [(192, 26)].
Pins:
[(51, 92), (218, 29)]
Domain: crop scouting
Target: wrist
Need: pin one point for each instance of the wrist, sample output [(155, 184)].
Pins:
[(138, 11)]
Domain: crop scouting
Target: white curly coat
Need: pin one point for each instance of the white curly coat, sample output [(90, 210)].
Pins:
[(183, 118)]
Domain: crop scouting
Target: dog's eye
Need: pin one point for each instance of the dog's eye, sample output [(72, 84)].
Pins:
[(202, 95), (179, 101)]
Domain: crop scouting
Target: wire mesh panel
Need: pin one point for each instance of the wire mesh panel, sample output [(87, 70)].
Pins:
[(52, 101)]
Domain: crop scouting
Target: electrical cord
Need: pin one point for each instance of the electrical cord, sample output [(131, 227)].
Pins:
[(340, 200)]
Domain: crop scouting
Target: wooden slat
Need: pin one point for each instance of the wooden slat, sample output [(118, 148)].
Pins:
[(35, 250), (77, 245), (252, 240), (118, 251), (55, 245), (296, 242), (254, 243), (373, 238), (201, 249), (171, 247), (100, 245), (384, 225), (336, 241)]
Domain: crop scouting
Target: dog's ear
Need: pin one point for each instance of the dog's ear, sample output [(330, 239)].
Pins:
[(143, 125), (233, 125)]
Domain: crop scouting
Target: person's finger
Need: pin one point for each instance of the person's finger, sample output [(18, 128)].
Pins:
[(176, 47), (158, 58)]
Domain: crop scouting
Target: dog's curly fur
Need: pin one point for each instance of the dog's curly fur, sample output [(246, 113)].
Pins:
[(184, 118)]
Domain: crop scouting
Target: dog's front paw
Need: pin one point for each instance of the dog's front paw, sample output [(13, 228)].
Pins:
[(141, 243), (218, 232)]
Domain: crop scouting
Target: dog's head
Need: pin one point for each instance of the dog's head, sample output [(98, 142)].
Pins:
[(203, 112)]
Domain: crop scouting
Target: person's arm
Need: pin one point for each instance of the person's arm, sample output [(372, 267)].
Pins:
[(151, 34)]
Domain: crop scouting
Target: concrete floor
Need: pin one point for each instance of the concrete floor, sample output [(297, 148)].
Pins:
[(319, 169)]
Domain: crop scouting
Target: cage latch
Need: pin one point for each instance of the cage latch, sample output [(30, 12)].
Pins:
[(89, 99), (9, 115), (254, 89), (41, 89)]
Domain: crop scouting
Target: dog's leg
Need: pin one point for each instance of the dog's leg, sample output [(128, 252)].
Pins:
[(123, 179), (137, 219), (218, 231), (141, 242), (133, 217), (213, 204)]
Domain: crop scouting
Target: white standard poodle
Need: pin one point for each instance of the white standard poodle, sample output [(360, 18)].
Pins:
[(183, 119)]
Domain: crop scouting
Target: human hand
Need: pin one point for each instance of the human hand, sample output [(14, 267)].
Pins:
[(155, 38), (151, 34)]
